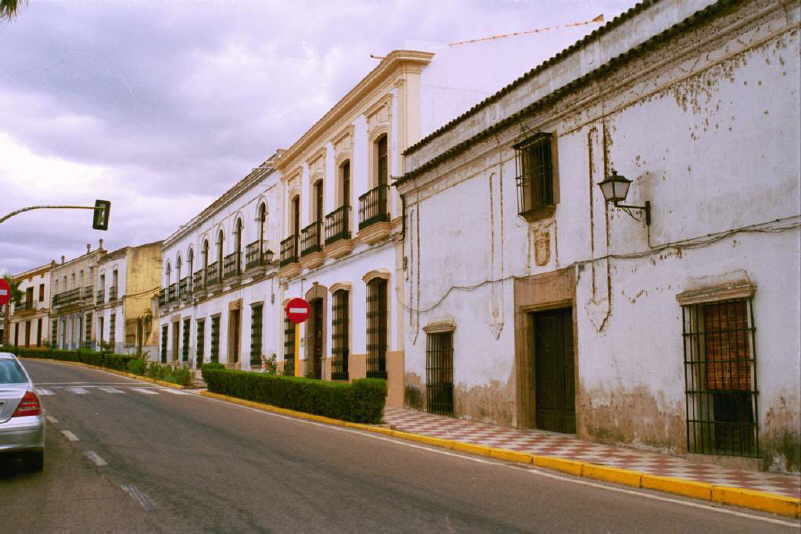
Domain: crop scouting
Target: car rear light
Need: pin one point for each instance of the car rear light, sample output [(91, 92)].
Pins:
[(29, 405)]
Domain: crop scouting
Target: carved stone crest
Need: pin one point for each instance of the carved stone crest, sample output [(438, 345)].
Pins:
[(542, 247)]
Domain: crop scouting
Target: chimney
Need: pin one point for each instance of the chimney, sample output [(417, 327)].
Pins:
[(101, 244), (88, 248), (62, 260)]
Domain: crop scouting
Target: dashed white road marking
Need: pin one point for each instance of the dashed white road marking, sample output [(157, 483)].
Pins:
[(96, 459), (43, 391), (52, 419), (145, 391), (137, 495), (79, 390), (109, 389), (69, 435)]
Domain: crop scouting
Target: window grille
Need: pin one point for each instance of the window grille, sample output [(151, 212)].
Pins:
[(164, 338), (54, 333), (289, 347), (720, 378), (339, 336), (39, 332), (439, 373), (255, 335), (377, 328), (185, 340), (88, 329), (215, 339), (534, 173), (201, 336), (112, 326)]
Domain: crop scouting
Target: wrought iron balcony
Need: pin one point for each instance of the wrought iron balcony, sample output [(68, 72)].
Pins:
[(230, 267), (112, 294), (310, 239), (24, 305), (289, 250), (373, 206), (197, 279), (172, 292), (257, 254), (101, 296), (68, 297), (162, 297), (88, 293), (337, 225), (213, 273), (183, 286)]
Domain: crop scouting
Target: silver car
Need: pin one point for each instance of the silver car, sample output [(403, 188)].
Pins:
[(22, 426)]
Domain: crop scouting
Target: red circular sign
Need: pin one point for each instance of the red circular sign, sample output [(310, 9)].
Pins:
[(5, 292), (297, 310)]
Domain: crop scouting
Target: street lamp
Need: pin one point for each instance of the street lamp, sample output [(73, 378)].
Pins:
[(615, 188)]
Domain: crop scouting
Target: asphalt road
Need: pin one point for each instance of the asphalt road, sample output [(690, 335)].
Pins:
[(140, 458)]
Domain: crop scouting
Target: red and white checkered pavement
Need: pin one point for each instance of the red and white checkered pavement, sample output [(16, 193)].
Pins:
[(566, 446)]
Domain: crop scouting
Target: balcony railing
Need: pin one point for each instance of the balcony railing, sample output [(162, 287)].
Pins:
[(213, 273), (101, 296), (67, 297), (230, 266), (163, 297), (24, 305), (112, 294), (172, 292), (289, 250), (183, 287), (197, 279), (88, 293), (337, 225), (256, 255), (373, 206), (310, 239)]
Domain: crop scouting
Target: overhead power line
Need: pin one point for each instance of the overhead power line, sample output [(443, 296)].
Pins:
[(597, 20)]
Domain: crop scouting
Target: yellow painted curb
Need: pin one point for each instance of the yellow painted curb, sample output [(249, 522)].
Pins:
[(511, 456), (437, 442), (757, 500), (483, 450), (679, 486), (571, 467), (612, 474)]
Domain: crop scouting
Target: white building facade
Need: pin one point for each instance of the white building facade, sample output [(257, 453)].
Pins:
[(30, 325), (219, 289), (535, 303)]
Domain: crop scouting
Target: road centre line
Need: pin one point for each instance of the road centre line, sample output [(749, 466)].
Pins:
[(52, 419), (96, 459), (137, 495), (530, 469), (69, 435)]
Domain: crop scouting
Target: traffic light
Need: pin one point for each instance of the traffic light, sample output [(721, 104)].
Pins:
[(101, 213)]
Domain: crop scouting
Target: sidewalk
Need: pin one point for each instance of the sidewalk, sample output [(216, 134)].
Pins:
[(565, 446)]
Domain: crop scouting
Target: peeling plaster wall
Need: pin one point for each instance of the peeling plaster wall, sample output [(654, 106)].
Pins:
[(707, 126)]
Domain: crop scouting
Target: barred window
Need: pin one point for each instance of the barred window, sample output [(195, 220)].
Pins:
[(720, 379), (289, 347), (185, 340), (255, 334), (535, 174), (112, 330), (201, 336), (377, 328), (340, 343), (215, 339), (439, 373), (88, 329), (164, 338)]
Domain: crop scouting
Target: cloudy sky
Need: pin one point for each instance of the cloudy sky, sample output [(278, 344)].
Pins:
[(162, 106)]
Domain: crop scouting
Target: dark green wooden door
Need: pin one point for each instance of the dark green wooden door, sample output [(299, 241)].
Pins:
[(554, 386)]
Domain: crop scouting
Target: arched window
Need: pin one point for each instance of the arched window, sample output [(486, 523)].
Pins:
[(167, 275), (344, 183), (381, 161), (262, 224), (238, 245), (178, 269), (205, 260), (220, 259), (191, 259)]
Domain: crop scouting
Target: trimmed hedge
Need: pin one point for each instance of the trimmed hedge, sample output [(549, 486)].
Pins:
[(361, 401), (119, 362)]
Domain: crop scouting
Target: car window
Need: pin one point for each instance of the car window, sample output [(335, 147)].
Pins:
[(11, 373)]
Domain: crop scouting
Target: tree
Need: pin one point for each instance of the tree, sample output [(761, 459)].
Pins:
[(16, 296), (8, 8)]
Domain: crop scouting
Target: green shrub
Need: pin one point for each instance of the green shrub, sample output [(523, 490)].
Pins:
[(167, 373), (137, 366), (360, 401)]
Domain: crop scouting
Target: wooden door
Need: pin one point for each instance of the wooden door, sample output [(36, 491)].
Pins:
[(554, 375), (317, 337), (234, 334)]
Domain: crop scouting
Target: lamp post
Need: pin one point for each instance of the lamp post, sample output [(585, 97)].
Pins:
[(615, 188)]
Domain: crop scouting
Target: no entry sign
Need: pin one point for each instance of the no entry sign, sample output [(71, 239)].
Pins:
[(5, 292), (297, 310)]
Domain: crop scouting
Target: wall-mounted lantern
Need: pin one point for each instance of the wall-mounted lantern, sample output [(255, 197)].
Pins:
[(615, 188)]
